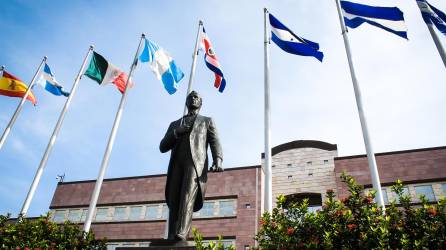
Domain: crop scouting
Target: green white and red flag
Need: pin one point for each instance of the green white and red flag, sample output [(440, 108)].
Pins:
[(103, 72)]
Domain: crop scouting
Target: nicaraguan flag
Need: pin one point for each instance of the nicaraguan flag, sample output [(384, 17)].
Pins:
[(290, 42), (432, 15), (210, 58), (48, 82), (162, 65), (390, 19)]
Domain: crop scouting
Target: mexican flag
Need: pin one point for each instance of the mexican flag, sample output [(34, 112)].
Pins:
[(103, 72)]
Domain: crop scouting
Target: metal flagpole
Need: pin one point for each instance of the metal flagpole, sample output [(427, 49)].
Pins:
[(267, 166), (365, 133), (194, 62), (20, 106), (44, 160), (437, 43), (111, 140), (430, 26)]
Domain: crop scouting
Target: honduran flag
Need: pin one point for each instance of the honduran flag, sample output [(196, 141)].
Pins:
[(48, 82), (390, 19), (291, 43), (210, 58), (103, 72), (162, 65), (432, 15)]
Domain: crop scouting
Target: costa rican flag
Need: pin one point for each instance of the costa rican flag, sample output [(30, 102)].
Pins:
[(212, 62)]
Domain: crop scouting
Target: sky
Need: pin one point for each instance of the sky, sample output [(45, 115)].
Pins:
[(402, 83)]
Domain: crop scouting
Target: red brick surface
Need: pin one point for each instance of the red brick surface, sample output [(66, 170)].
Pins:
[(413, 165), (236, 182)]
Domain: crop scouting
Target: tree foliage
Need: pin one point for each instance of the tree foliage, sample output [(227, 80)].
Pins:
[(41, 233)]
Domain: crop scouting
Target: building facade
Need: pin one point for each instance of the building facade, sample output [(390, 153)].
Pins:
[(131, 211)]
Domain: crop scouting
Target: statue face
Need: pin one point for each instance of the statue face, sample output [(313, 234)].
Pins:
[(193, 101)]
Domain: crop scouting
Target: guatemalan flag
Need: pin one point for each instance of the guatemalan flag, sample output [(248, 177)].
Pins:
[(48, 82), (432, 15), (210, 58), (290, 42), (162, 65), (390, 19)]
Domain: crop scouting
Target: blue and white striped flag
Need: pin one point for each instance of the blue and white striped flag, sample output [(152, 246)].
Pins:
[(432, 15), (48, 82), (162, 65), (290, 42), (390, 19)]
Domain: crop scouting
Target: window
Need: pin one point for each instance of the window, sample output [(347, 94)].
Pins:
[(120, 213), (309, 163), (59, 216), (290, 177), (385, 198), (152, 212), (84, 214), (313, 209), (405, 193), (227, 208), (325, 161), (101, 214), (74, 215), (289, 165), (425, 190), (165, 211), (208, 209), (135, 213)]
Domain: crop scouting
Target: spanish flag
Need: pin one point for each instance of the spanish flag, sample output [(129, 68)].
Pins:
[(14, 87)]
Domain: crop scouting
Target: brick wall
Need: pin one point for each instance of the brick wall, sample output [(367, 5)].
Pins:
[(239, 182), (418, 165)]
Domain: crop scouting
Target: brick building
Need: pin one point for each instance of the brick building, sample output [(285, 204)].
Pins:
[(131, 211)]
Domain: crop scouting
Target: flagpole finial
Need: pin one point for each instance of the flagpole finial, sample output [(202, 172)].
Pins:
[(143, 35), (2, 67), (45, 58), (200, 22), (91, 47), (265, 10)]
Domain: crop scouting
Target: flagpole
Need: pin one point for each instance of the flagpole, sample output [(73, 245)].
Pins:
[(365, 133), (20, 106), (437, 43), (194, 62), (44, 160), (267, 166), (111, 140), (2, 68)]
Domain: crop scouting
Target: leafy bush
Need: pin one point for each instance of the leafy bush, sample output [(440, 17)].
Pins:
[(199, 245), (355, 222), (41, 233)]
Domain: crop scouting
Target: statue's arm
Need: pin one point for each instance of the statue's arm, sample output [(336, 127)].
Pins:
[(214, 143), (169, 140)]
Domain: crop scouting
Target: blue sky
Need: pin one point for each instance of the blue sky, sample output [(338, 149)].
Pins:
[(402, 82)]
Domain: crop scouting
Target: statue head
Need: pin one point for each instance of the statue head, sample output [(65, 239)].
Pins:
[(193, 101)]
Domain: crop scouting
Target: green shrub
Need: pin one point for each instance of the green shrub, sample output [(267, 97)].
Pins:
[(354, 222), (199, 245), (41, 233)]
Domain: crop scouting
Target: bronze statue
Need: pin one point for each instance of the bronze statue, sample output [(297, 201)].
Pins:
[(188, 139)]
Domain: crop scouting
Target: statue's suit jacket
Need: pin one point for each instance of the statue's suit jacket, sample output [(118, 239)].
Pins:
[(203, 133)]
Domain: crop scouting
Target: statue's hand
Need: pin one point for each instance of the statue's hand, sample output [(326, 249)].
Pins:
[(216, 166), (181, 130)]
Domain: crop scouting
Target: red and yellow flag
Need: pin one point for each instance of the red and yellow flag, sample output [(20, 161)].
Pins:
[(14, 87)]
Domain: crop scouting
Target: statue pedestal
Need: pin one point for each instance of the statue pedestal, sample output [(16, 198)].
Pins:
[(164, 245)]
